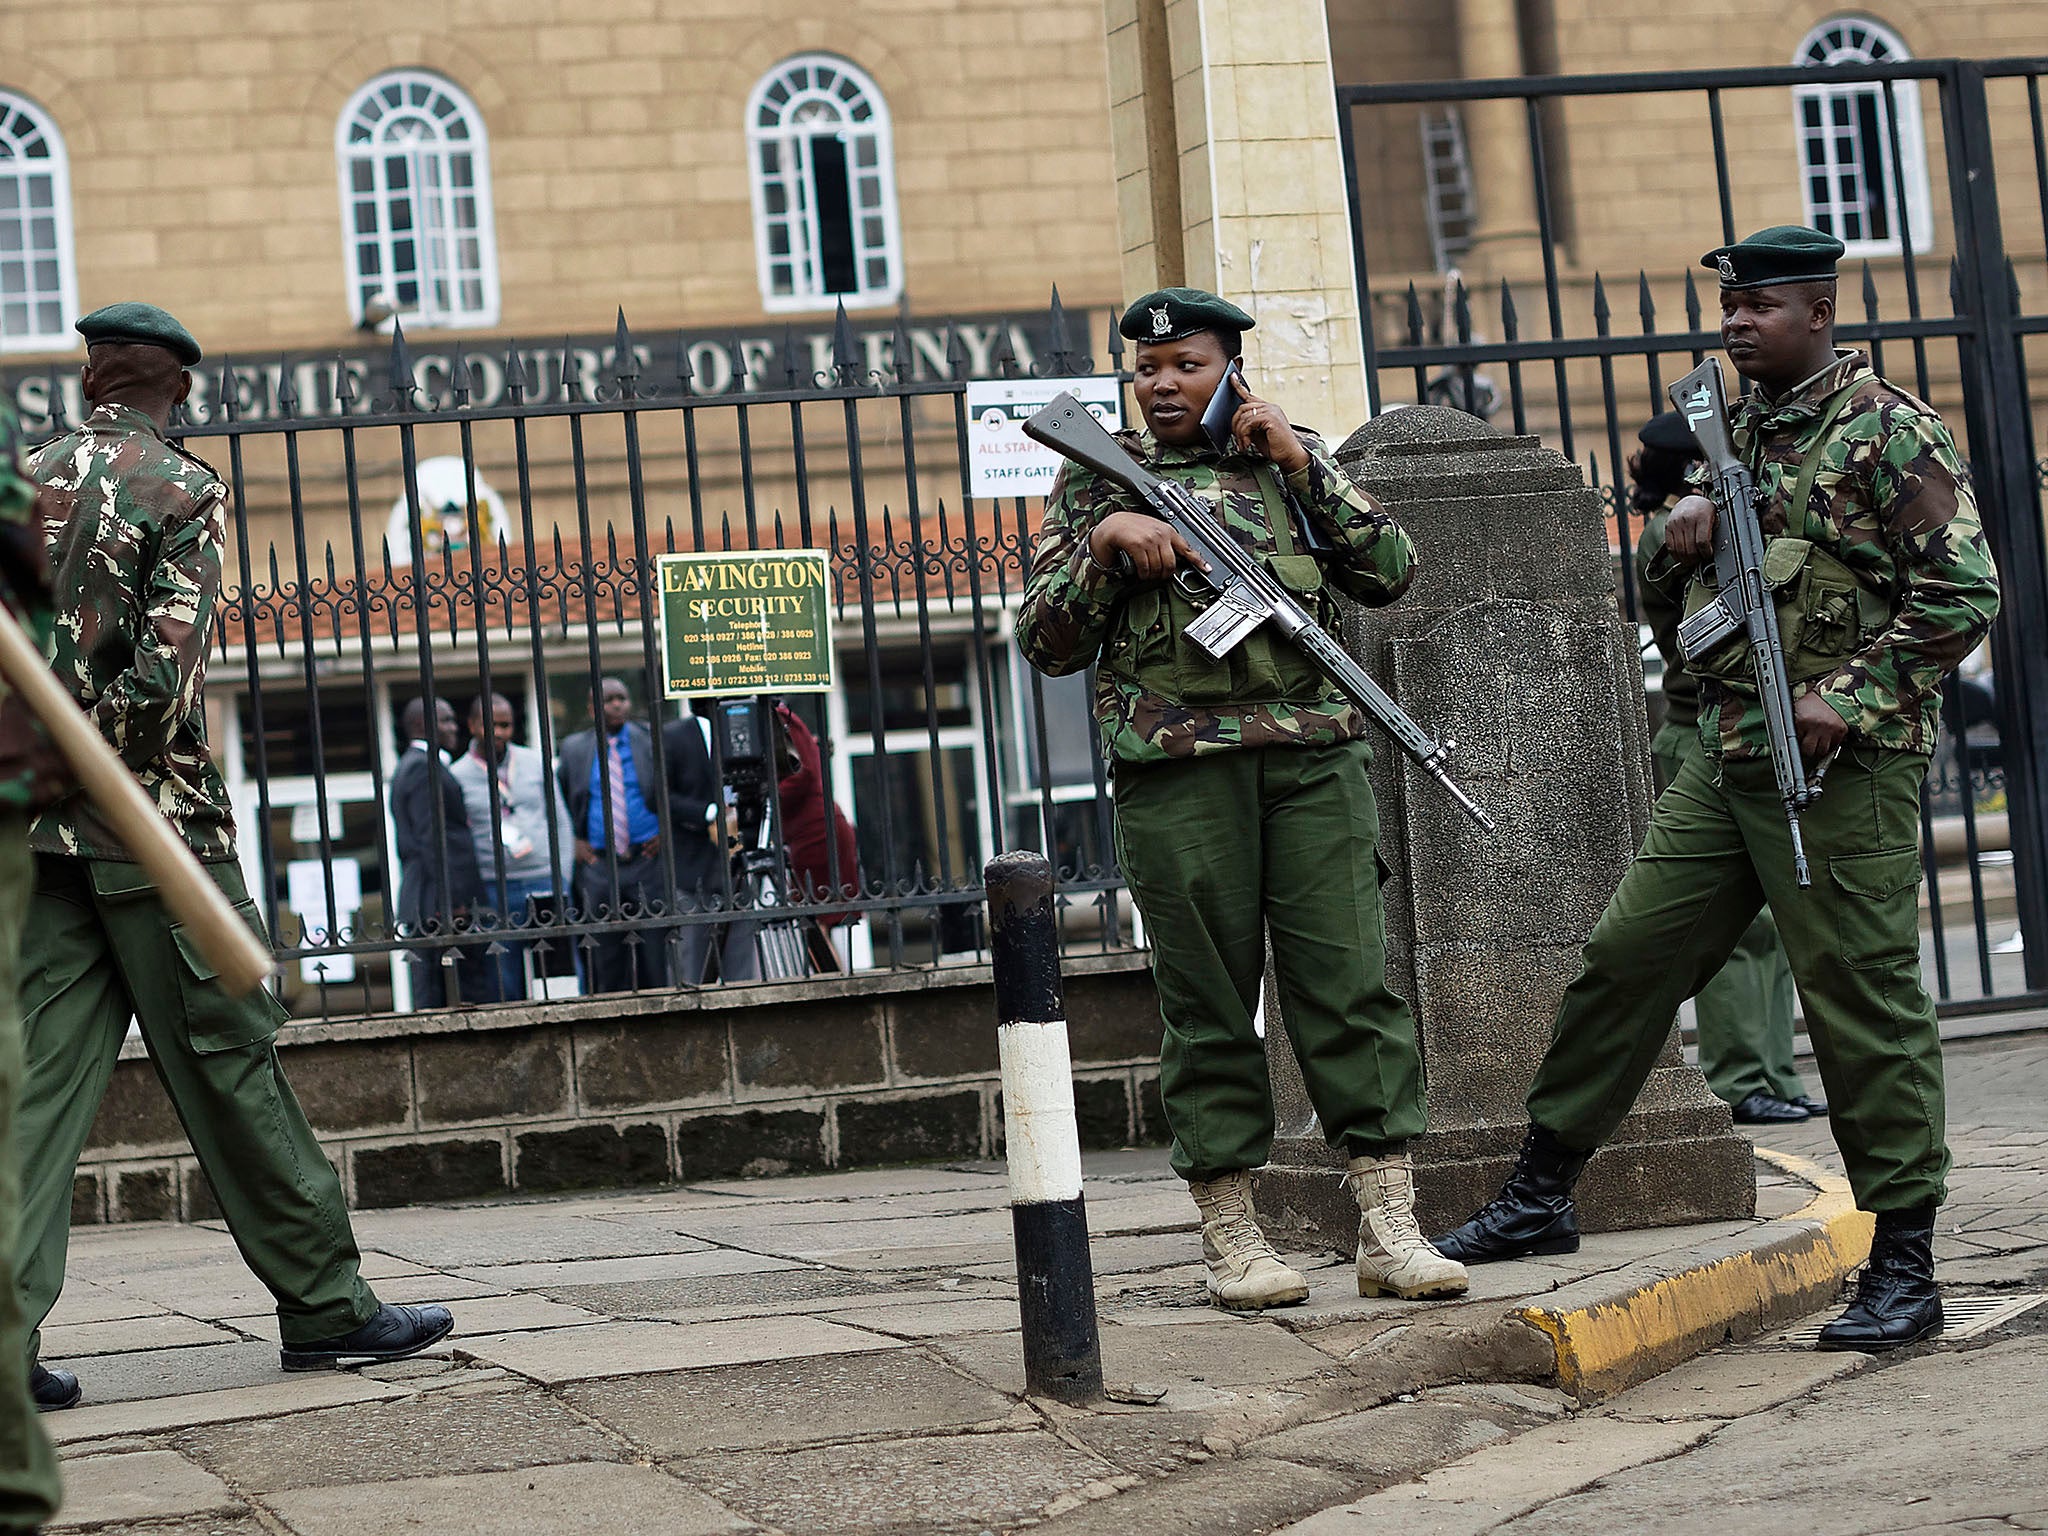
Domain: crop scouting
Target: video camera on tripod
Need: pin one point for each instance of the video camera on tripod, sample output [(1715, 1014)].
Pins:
[(746, 738)]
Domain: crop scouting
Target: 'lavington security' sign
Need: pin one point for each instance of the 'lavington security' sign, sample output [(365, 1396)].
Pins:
[(1003, 461), (746, 623)]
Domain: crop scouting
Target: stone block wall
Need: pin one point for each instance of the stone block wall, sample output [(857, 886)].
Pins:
[(624, 1091)]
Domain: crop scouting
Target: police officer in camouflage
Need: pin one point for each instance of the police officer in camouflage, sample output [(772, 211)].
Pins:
[(1242, 803), (30, 776), (135, 529), (1745, 1013), (1883, 584)]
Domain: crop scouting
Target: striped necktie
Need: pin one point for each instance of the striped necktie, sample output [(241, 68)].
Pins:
[(620, 825)]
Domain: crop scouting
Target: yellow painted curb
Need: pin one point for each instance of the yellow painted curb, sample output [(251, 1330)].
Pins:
[(1782, 1270)]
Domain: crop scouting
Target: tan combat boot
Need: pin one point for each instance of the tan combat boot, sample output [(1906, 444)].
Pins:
[(1393, 1255), (1245, 1274)]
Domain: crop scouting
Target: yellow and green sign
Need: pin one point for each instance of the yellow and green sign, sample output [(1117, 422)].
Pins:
[(753, 622)]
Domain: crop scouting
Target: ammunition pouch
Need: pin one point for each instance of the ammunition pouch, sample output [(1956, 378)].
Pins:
[(1826, 614), (1148, 648)]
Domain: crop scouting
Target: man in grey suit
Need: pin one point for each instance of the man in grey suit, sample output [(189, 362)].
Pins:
[(526, 824)]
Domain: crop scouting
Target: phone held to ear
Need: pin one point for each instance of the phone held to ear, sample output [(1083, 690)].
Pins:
[(1222, 408)]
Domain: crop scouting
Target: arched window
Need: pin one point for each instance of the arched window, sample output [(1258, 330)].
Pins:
[(416, 202), (824, 181), (38, 281), (1849, 178)]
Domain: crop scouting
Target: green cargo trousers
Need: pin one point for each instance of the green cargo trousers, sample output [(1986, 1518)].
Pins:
[(1745, 1012), (28, 1469), (1219, 850), (1718, 848), (100, 947)]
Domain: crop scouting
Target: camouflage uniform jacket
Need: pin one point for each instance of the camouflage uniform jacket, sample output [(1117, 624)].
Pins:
[(1076, 612), (1892, 502), (136, 530), (30, 773)]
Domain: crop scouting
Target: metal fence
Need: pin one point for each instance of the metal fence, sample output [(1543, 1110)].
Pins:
[(1591, 367), (475, 523)]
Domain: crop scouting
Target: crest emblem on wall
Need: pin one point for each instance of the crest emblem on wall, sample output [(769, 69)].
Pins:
[(1160, 323)]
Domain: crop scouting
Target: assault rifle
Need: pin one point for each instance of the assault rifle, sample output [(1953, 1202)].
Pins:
[(1246, 595), (1742, 603)]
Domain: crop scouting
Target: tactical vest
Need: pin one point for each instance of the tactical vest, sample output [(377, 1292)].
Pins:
[(1147, 647), (1827, 613)]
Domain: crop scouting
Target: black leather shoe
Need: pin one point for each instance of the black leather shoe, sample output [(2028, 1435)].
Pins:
[(54, 1391), (1762, 1108), (392, 1334), (1532, 1214), (1818, 1108), (1896, 1298)]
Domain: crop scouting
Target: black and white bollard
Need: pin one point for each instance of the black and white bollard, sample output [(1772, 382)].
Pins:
[(1055, 1281)]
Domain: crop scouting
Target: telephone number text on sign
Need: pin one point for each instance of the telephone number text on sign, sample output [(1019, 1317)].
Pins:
[(746, 623)]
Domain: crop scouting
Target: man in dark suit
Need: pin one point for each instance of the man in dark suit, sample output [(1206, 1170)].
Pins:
[(694, 794), (614, 792), (425, 905)]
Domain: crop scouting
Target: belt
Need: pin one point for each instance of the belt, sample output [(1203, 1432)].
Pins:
[(638, 851)]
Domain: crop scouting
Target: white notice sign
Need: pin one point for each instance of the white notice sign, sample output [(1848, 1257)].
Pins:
[(1003, 460)]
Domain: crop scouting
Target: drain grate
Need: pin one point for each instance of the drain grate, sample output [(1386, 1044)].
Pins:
[(1966, 1317)]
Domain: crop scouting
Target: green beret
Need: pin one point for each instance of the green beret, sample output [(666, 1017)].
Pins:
[(1172, 313), (1784, 253), (144, 324)]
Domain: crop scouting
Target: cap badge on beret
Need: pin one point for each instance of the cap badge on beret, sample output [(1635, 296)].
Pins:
[(1162, 322), (1727, 268)]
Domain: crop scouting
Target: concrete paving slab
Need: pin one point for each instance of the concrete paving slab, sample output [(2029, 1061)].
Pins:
[(789, 1402), (819, 1240), (141, 1485), (540, 1501), (1244, 1353), (162, 1330), (431, 1285), (1731, 1384), (932, 1320), (765, 1290), (83, 1302), (153, 1373), (288, 1394), (1399, 1440), (1492, 1486), (384, 1266), (1112, 1255), (861, 1184), (954, 1482), (1253, 1494), (636, 1349), (437, 1434), (658, 1266), (522, 1234)]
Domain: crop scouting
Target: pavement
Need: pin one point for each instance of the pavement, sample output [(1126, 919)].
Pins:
[(839, 1353)]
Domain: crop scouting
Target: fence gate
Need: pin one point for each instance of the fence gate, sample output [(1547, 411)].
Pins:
[(1974, 294)]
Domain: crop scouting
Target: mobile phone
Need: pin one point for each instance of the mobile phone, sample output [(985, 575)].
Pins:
[(1222, 407)]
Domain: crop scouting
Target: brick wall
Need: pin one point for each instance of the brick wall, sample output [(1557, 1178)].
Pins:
[(622, 1091), (201, 139)]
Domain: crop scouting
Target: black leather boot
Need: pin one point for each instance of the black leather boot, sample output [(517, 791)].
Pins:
[(54, 1391), (392, 1333), (1896, 1299), (1533, 1212)]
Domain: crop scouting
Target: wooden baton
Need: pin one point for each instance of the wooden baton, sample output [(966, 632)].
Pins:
[(240, 960)]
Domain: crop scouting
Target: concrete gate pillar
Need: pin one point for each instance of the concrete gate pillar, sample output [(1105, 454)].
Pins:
[(1224, 133), (1509, 640)]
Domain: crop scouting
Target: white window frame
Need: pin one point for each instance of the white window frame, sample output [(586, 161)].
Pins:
[(1855, 39), (787, 108), (431, 192), (23, 123)]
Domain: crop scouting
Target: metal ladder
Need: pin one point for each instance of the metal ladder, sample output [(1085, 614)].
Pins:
[(1447, 185)]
